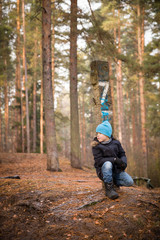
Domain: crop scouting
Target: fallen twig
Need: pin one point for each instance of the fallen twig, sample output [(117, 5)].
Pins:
[(91, 203), (11, 177), (150, 203)]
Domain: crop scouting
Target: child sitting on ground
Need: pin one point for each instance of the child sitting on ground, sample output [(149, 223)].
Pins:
[(110, 160)]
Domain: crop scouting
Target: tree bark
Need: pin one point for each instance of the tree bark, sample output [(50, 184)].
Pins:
[(51, 145), (17, 139), (41, 119), (34, 95), (120, 90), (6, 113), (113, 99), (26, 81), (74, 118), (133, 116), (96, 93), (41, 110), (53, 42), (83, 129), (22, 123), (140, 14), (1, 148)]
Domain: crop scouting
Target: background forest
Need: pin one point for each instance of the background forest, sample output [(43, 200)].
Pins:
[(122, 32)]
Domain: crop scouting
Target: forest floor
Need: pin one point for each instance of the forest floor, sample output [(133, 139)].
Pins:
[(70, 205)]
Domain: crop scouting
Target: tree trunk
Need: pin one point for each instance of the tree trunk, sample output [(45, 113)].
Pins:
[(53, 42), (96, 93), (26, 81), (82, 127), (6, 113), (140, 15), (133, 116), (51, 145), (34, 95), (120, 90), (22, 119), (41, 119), (113, 99), (17, 139), (41, 109), (23, 102), (1, 11), (1, 148), (74, 119), (83, 130)]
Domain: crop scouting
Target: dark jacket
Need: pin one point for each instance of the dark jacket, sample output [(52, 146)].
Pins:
[(107, 152)]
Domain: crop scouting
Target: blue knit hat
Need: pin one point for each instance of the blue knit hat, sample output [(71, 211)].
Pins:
[(105, 128)]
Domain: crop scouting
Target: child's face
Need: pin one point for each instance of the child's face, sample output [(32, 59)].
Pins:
[(102, 138)]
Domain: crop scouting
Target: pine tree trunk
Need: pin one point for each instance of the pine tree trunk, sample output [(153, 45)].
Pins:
[(74, 119), (120, 90), (1, 145), (6, 113), (113, 101), (34, 96), (41, 112), (96, 93), (1, 148), (17, 139), (41, 119), (83, 130), (23, 102), (22, 118), (133, 116), (1, 11), (53, 42), (26, 81), (51, 145), (80, 128), (140, 15)]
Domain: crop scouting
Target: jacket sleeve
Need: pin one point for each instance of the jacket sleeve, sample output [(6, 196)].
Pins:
[(122, 155), (99, 159)]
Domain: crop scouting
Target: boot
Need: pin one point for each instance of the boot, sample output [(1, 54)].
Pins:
[(110, 192)]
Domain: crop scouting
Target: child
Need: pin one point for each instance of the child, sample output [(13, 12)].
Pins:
[(110, 160)]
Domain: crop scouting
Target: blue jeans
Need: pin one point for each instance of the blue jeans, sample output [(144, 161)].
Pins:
[(120, 179)]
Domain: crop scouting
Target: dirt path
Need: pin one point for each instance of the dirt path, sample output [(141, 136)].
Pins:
[(71, 205)]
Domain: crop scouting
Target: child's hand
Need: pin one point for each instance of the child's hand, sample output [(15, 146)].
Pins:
[(120, 164)]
